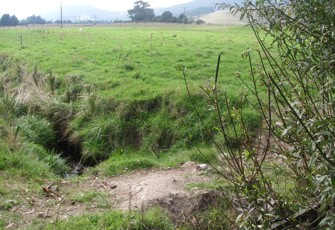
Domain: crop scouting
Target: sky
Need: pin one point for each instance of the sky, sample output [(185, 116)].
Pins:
[(25, 8)]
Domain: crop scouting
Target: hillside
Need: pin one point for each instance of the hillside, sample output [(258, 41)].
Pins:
[(222, 18), (195, 7), (84, 12)]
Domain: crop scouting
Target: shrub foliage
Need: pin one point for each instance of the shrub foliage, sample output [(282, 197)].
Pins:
[(284, 178)]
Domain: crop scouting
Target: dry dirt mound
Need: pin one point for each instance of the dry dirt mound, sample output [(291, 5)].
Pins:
[(138, 190)]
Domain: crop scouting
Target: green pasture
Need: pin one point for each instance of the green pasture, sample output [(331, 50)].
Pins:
[(132, 62)]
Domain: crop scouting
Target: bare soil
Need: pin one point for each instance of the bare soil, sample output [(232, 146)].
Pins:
[(137, 190)]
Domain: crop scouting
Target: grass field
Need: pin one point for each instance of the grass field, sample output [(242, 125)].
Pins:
[(132, 61), (113, 94)]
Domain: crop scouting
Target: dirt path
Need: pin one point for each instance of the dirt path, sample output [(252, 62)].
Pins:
[(137, 190)]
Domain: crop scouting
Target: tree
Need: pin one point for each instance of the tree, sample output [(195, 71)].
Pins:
[(183, 19), (5, 20), (14, 21), (199, 21), (35, 20), (141, 12), (167, 16)]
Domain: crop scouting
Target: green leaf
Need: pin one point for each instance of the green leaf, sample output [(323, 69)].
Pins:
[(248, 154)]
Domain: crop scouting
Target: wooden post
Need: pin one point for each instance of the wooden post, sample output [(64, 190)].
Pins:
[(217, 72)]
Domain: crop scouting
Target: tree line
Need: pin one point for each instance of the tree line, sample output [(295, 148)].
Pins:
[(8, 20), (143, 13)]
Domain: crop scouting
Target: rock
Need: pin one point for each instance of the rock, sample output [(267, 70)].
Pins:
[(202, 167)]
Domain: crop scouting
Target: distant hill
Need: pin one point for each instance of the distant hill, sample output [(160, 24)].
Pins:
[(83, 12), (195, 7)]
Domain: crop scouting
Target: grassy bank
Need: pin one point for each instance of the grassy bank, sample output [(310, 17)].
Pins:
[(104, 89)]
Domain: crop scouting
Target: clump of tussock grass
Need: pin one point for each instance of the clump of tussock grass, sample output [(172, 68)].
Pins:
[(35, 94), (31, 91), (38, 116)]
